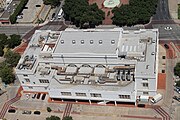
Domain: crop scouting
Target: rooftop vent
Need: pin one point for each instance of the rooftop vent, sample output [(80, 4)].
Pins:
[(91, 41), (82, 41), (112, 41), (73, 41), (153, 53), (100, 41), (62, 41)]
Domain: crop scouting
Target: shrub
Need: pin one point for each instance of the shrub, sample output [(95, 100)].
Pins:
[(178, 11), (49, 109), (177, 69)]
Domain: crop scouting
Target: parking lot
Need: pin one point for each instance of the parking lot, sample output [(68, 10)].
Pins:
[(33, 11), (28, 104), (10, 9)]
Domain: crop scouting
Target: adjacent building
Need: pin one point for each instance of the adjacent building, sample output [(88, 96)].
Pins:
[(95, 65)]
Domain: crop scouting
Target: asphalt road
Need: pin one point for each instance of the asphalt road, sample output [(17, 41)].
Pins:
[(162, 19), (55, 26), (162, 12), (20, 30), (173, 34), (58, 9)]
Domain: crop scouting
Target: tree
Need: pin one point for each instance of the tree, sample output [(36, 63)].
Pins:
[(17, 11), (14, 41), (53, 3), (53, 118), (49, 109), (137, 12), (3, 39), (12, 58), (79, 12), (6, 74), (1, 51), (67, 118), (177, 69)]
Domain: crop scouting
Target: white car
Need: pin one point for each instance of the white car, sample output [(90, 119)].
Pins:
[(19, 17), (168, 28)]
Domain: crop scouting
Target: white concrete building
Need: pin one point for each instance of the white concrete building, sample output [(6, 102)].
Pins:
[(94, 65)]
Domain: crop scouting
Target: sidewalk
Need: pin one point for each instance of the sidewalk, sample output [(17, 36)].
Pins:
[(173, 10)]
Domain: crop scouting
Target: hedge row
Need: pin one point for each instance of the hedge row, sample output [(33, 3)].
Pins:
[(18, 10), (178, 11)]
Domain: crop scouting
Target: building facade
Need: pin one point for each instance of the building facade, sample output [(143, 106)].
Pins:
[(95, 65)]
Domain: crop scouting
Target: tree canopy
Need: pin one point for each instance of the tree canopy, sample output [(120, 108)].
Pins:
[(17, 11), (136, 12), (177, 69), (80, 12), (11, 42), (6, 74), (3, 39), (14, 41), (12, 58), (53, 118), (67, 118)]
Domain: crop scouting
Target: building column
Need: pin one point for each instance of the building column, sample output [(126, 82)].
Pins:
[(90, 102), (115, 103)]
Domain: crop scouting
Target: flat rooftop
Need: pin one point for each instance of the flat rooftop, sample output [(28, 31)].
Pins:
[(88, 41)]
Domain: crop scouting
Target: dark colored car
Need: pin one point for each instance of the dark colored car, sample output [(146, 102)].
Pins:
[(11, 111), (177, 89), (141, 105), (43, 96), (38, 95), (37, 112), (166, 46), (176, 98), (38, 5), (53, 15), (34, 96)]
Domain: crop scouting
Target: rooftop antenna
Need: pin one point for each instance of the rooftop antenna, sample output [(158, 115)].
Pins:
[(63, 59)]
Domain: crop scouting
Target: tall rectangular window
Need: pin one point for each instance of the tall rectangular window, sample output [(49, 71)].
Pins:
[(25, 75), (145, 84)]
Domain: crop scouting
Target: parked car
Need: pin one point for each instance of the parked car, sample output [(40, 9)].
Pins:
[(19, 17), (166, 46), (141, 105), (156, 98), (38, 95), (43, 96), (53, 15), (34, 96), (11, 111), (177, 89), (26, 112), (37, 112), (176, 98), (168, 28)]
